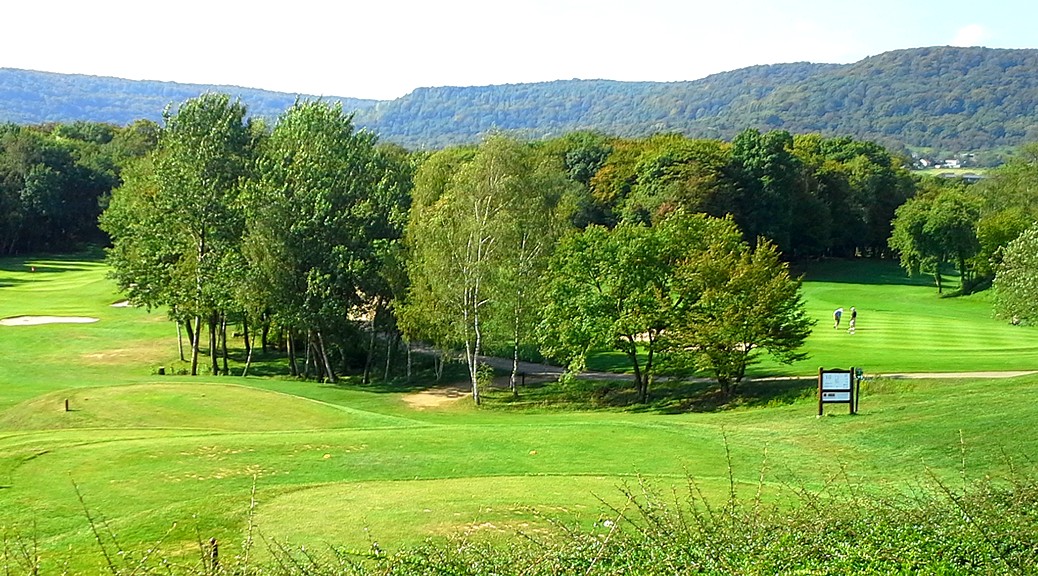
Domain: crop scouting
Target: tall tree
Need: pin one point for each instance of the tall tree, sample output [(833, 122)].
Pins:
[(736, 302), (933, 228), (766, 173), (528, 237), (322, 200), (1016, 283), (1008, 204), (618, 289), (471, 237), (183, 202)]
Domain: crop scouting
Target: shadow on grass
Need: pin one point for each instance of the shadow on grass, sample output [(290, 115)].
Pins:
[(50, 263), (666, 397), (872, 271)]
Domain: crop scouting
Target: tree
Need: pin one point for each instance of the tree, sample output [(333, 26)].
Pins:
[(1008, 205), (618, 289), (933, 228), (765, 170), (50, 189), (736, 302), (323, 200), (179, 212), (472, 238), (676, 173), (528, 238), (1016, 280)]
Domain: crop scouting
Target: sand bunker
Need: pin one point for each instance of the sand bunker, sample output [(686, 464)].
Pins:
[(435, 397), (121, 304), (36, 320)]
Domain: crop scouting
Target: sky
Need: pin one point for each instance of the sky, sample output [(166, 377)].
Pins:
[(384, 49)]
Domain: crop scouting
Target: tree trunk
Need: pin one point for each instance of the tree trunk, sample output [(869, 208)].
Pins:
[(409, 365), (472, 349), (515, 349), (308, 354), (212, 344), (245, 335), (371, 352), (324, 356), (223, 342), (391, 346), (248, 358), (964, 280), (265, 333), (292, 366), (180, 341), (190, 333), (194, 345), (515, 369)]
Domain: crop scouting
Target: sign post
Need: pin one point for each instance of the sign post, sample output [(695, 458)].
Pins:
[(837, 387)]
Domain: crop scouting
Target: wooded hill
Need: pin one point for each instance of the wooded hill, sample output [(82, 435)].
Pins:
[(944, 98), (30, 97)]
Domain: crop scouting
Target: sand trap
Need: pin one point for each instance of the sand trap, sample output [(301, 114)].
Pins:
[(36, 320), (436, 397), (121, 304)]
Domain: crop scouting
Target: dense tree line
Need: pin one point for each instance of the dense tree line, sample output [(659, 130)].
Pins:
[(55, 178), (287, 229), (972, 227), (812, 196)]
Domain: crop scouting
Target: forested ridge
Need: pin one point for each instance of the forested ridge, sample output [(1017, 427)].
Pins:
[(944, 98), (31, 97)]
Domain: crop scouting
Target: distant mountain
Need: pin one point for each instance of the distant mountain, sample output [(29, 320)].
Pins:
[(30, 97), (946, 98)]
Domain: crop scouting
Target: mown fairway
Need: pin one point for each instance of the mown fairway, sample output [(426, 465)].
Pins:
[(176, 459)]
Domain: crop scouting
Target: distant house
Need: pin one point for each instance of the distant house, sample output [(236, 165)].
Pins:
[(952, 163)]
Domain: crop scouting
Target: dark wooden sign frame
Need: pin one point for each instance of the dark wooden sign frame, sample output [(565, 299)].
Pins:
[(843, 387)]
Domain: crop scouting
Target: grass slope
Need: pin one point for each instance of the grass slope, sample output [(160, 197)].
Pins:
[(903, 326), (176, 459)]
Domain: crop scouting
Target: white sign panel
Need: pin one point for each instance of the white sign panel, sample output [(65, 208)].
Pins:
[(836, 396), (836, 381)]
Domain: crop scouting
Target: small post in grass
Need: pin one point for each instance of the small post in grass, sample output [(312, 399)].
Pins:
[(66, 404), (837, 387)]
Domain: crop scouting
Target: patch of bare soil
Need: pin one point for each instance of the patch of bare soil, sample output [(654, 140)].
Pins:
[(436, 397), (36, 320)]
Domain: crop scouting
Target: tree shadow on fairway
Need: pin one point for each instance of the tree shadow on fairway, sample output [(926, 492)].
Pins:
[(752, 394), (74, 260), (670, 396), (860, 271)]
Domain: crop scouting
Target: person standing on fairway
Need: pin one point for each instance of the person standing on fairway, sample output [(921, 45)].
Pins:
[(854, 320), (837, 314)]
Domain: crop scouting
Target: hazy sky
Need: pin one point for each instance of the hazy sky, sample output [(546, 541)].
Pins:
[(385, 48)]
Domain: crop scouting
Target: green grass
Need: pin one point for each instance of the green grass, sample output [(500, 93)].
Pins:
[(903, 326), (176, 458)]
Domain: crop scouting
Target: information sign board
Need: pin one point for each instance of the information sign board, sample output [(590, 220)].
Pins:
[(838, 387)]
